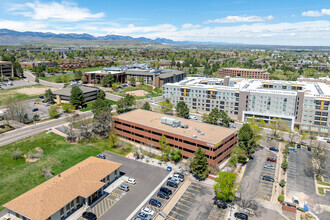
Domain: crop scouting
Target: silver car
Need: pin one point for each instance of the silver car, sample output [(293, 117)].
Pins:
[(268, 166)]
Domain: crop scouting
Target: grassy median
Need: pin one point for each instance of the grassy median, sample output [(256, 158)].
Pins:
[(18, 176)]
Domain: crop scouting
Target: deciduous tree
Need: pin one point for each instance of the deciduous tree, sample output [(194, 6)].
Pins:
[(166, 107), (182, 109), (225, 186)]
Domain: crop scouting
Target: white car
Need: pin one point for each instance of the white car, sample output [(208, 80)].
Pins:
[(131, 181), (148, 211), (193, 117), (268, 166)]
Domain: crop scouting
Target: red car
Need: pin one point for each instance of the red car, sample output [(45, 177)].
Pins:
[(271, 159)]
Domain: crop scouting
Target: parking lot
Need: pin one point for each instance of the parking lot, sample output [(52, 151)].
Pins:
[(16, 84), (265, 187), (300, 183), (42, 108), (196, 203), (119, 204)]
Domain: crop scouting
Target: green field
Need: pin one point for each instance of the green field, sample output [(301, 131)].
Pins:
[(90, 104), (15, 93), (18, 176), (53, 78)]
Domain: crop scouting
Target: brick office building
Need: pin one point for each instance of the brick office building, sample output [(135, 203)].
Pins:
[(146, 128), (246, 73)]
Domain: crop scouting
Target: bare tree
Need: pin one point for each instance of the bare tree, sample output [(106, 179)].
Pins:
[(103, 123), (16, 110), (69, 130), (319, 158), (303, 137)]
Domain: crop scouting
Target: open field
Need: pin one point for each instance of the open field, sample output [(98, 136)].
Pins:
[(19, 176), (53, 78), (22, 93)]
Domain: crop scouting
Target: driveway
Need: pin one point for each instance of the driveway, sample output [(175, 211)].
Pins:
[(148, 177)]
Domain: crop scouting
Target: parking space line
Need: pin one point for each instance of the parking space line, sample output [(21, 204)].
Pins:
[(169, 216), (218, 212), (180, 209), (195, 185), (186, 200), (191, 193), (194, 190), (188, 197), (183, 204), (176, 213)]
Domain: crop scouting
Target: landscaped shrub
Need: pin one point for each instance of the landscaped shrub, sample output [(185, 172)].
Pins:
[(282, 183), (280, 198), (17, 154)]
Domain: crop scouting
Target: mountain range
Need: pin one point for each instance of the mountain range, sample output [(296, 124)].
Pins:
[(11, 37)]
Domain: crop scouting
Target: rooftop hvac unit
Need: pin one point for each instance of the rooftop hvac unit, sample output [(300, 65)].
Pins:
[(184, 126), (202, 133), (170, 121), (195, 136)]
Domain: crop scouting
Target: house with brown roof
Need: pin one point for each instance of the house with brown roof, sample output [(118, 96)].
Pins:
[(62, 195)]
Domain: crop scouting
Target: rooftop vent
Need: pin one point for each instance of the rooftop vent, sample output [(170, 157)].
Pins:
[(184, 126), (194, 136), (170, 121), (202, 133)]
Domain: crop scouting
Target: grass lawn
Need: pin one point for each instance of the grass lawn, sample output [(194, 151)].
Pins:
[(6, 128), (53, 78), (18, 176), (15, 93), (88, 69), (319, 181), (90, 104)]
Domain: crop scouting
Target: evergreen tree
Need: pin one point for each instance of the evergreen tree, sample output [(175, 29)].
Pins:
[(132, 80), (146, 106), (125, 104), (77, 96), (49, 96), (100, 94), (182, 109), (246, 139), (107, 80), (199, 164)]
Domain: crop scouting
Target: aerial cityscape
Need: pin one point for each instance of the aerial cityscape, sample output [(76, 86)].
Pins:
[(176, 110)]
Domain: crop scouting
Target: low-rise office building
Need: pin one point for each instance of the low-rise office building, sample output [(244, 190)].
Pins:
[(94, 77), (90, 93), (180, 133), (60, 196), (304, 105), (246, 73), (6, 69)]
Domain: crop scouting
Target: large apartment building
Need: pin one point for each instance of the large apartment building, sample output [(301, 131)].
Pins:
[(146, 127), (304, 105), (246, 73), (6, 69)]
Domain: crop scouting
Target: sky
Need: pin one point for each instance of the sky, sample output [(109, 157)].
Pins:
[(264, 22)]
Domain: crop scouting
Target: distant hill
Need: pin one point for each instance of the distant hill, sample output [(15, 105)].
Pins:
[(11, 37)]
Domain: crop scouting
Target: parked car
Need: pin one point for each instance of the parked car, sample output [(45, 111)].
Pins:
[(175, 180), (155, 202), (271, 159), (102, 156), (35, 109), (193, 117), (298, 145), (179, 176), (169, 169), (309, 148), (162, 195), (221, 204), (328, 141), (241, 215), (165, 190), (123, 187), (273, 149), (137, 218), (89, 216), (293, 149), (268, 166), (41, 97), (172, 184), (268, 178), (148, 211), (143, 216), (131, 181)]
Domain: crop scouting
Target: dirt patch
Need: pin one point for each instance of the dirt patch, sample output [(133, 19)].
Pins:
[(130, 155), (34, 157), (33, 91), (138, 93)]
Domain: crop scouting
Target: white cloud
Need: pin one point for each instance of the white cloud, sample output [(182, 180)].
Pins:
[(316, 13), (131, 28), (190, 26), (22, 25), (66, 11), (300, 33), (239, 19)]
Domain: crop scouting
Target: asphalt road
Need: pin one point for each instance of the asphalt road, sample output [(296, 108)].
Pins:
[(148, 177), (27, 131), (300, 183), (31, 78)]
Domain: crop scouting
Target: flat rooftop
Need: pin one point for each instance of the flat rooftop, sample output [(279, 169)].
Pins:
[(83, 180), (67, 90), (212, 133)]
